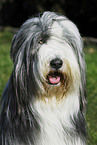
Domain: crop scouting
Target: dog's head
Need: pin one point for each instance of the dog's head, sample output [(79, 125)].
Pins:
[(48, 58)]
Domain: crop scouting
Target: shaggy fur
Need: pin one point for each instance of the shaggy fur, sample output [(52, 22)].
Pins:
[(44, 100)]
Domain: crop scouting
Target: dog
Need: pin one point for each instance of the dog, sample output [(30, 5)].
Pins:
[(44, 101)]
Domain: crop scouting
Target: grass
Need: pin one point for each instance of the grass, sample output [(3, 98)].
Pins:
[(91, 61), (5, 62)]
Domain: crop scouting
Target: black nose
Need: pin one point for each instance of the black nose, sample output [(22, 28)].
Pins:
[(56, 63)]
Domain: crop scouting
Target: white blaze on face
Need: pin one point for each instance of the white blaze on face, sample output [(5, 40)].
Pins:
[(56, 30)]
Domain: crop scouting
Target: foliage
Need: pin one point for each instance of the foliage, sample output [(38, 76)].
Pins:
[(83, 12), (91, 61)]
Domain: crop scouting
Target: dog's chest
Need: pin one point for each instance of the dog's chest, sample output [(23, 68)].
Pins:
[(51, 134), (51, 124)]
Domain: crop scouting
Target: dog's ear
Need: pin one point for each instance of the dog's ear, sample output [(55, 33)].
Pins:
[(14, 49), (17, 41)]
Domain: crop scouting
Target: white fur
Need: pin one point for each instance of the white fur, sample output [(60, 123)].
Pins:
[(52, 118)]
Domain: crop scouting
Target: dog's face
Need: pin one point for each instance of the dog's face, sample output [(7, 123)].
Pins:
[(57, 64), (48, 58)]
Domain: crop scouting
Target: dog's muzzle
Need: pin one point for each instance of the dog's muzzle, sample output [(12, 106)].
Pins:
[(55, 76)]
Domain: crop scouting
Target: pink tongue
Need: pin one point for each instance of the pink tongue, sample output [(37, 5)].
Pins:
[(54, 80)]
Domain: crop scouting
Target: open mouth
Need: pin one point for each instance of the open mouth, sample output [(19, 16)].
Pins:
[(54, 78)]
